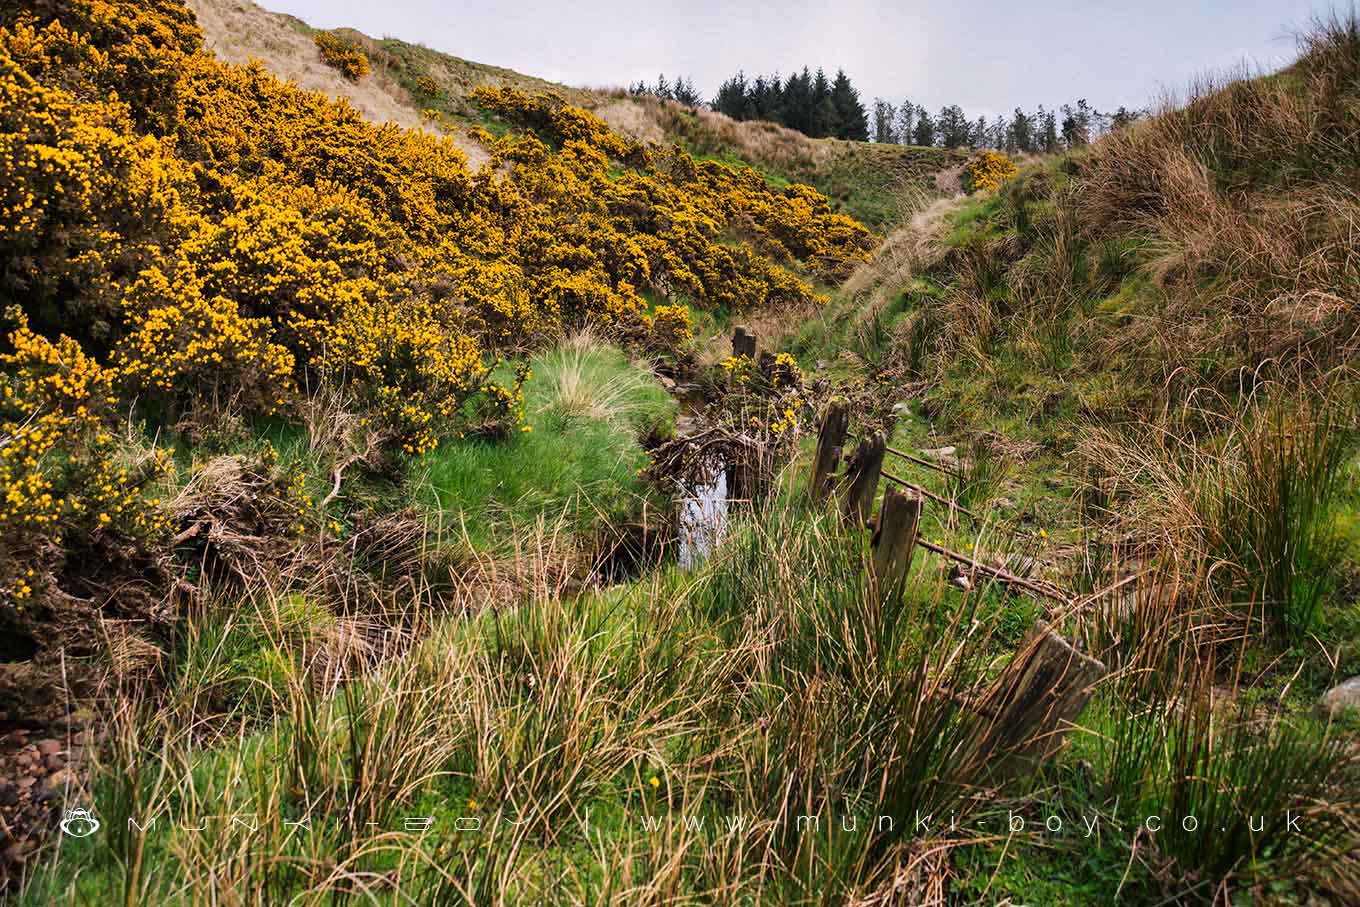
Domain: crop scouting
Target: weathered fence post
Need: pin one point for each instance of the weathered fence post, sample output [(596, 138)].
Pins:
[(895, 539), (1037, 697), (835, 424), (863, 473), (743, 342)]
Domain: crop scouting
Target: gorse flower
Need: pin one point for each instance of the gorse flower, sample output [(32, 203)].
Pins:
[(343, 54), (987, 170)]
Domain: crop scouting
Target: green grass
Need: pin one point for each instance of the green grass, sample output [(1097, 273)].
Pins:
[(588, 407)]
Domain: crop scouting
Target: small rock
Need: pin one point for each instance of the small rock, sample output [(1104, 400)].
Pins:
[(49, 747), (54, 763), (60, 780), (1343, 697), (9, 794), (23, 761), (820, 365), (26, 782), (939, 453)]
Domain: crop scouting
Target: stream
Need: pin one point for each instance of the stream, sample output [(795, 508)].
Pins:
[(703, 517), (703, 507)]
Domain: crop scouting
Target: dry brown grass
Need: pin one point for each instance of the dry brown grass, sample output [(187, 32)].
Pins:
[(1247, 197), (239, 31)]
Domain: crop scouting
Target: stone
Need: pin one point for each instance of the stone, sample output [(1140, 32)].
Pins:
[(54, 763), (49, 747), (1344, 697), (26, 782), (9, 794)]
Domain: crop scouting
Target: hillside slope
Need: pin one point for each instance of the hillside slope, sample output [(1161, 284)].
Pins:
[(869, 182), (1140, 362)]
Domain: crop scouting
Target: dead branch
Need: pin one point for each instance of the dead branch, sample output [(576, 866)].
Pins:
[(919, 461), (932, 495), (997, 573)]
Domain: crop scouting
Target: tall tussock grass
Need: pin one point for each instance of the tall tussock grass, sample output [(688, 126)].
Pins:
[(1253, 503), (734, 734)]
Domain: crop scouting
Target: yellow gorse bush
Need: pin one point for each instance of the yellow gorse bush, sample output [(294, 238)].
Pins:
[(671, 326), (198, 234), (58, 469), (342, 54), (987, 170)]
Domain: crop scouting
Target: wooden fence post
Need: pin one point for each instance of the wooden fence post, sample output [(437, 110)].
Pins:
[(1037, 697), (895, 539), (863, 473), (835, 424), (743, 342)]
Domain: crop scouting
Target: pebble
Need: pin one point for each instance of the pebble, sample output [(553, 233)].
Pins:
[(1343, 697), (49, 747), (54, 763)]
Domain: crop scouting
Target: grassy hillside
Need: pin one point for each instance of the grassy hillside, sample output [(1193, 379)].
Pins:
[(1144, 356), (412, 84)]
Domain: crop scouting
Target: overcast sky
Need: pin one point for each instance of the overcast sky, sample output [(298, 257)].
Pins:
[(986, 55)]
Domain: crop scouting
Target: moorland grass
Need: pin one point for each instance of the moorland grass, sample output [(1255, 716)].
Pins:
[(588, 407)]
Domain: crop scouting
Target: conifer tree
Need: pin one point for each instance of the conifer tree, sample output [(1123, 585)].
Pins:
[(851, 121), (684, 91), (1048, 131), (924, 132), (731, 97), (823, 117), (1021, 136), (884, 122), (906, 119), (798, 102)]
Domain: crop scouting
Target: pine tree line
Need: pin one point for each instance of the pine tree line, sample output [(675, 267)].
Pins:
[(1043, 130), (820, 107), (806, 101), (681, 90)]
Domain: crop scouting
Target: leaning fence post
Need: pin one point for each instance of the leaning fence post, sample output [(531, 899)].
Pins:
[(743, 342), (1037, 697), (863, 473), (835, 424), (895, 539)]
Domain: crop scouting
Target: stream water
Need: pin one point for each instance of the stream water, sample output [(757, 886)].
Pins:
[(703, 507), (703, 516)]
